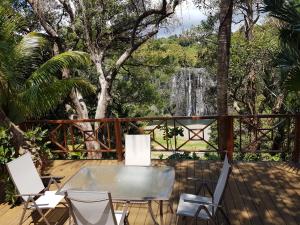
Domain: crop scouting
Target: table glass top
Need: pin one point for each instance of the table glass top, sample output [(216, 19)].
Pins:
[(124, 182)]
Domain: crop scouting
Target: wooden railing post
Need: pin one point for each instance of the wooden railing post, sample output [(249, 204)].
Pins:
[(230, 138), (225, 134), (296, 152), (118, 136)]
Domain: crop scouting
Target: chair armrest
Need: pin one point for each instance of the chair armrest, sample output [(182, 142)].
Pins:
[(30, 194), (202, 203)]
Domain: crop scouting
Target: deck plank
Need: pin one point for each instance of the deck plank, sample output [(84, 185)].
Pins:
[(258, 193)]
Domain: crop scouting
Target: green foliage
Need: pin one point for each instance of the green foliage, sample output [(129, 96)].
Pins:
[(38, 143), (288, 13), (142, 87), (7, 152), (180, 156), (253, 78), (256, 156), (211, 156), (30, 80), (183, 156), (76, 155), (171, 132)]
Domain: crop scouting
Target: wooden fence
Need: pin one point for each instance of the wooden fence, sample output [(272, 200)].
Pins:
[(243, 134)]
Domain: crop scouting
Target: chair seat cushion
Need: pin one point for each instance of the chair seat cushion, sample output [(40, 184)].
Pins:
[(48, 201), (189, 209)]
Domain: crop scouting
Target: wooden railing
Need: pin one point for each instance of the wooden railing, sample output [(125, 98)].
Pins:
[(243, 134)]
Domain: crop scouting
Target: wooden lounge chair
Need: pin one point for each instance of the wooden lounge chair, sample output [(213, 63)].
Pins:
[(92, 207), (205, 208), (137, 150), (31, 188)]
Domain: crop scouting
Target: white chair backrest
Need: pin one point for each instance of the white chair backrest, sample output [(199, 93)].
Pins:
[(25, 176), (91, 207), (222, 182), (137, 150)]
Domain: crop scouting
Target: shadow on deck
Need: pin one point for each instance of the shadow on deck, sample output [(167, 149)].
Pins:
[(258, 193)]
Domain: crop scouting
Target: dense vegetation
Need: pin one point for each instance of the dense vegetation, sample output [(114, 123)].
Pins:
[(93, 59)]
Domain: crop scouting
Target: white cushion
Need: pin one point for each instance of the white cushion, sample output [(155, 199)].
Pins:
[(48, 201), (189, 209)]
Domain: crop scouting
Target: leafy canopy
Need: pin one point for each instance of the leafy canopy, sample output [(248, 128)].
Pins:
[(31, 81)]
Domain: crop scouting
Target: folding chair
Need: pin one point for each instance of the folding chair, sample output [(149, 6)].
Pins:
[(206, 208), (92, 207), (137, 150), (138, 153), (31, 188)]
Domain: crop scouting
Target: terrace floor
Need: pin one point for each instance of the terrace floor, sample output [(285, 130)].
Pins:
[(258, 193)]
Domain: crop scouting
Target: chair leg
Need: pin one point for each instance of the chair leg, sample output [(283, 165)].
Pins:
[(176, 220), (23, 213), (43, 216)]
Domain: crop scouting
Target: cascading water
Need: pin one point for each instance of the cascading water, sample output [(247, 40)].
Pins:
[(191, 92)]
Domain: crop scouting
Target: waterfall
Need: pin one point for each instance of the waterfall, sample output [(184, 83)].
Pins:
[(191, 92)]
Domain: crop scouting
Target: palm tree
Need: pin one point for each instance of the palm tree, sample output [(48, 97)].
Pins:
[(30, 86), (288, 13)]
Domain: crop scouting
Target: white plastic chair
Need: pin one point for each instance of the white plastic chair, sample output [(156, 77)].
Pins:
[(137, 150), (92, 207), (206, 207), (30, 186)]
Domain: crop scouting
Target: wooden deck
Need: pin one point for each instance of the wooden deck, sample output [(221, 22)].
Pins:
[(258, 193)]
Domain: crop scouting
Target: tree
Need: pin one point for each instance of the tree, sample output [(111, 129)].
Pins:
[(29, 83), (255, 86), (111, 31), (250, 12)]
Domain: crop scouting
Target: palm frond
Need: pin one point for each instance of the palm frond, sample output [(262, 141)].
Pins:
[(29, 55), (54, 66), (293, 80), (283, 10), (288, 60), (31, 46), (40, 99)]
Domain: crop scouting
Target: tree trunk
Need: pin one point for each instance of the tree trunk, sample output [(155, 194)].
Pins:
[(250, 8), (104, 95), (82, 112), (104, 98), (224, 38)]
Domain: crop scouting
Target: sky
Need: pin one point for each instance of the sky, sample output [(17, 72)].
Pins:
[(186, 16)]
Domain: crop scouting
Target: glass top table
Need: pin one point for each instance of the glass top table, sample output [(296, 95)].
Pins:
[(131, 183)]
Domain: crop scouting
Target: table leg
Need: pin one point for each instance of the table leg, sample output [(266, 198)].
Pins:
[(151, 212), (161, 212), (170, 203)]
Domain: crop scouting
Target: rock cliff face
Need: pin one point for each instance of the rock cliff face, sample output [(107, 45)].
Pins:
[(192, 93)]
